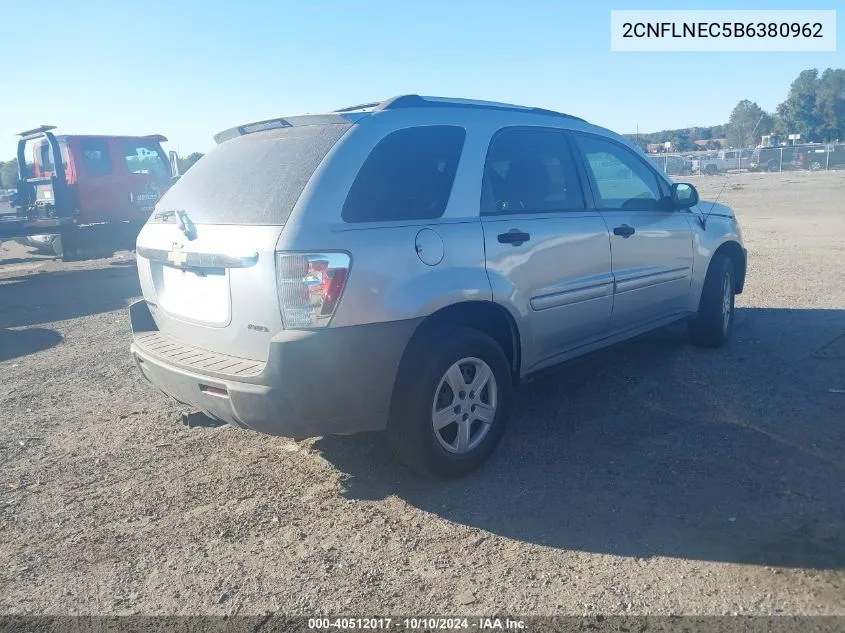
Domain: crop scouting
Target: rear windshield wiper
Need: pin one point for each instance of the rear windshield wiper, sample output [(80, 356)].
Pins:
[(163, 215), (182, 221)]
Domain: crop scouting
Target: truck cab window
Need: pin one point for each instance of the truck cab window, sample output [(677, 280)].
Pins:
[(144, 159), (95, 157)]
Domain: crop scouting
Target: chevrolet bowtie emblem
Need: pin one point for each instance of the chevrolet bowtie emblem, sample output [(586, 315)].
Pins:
[(177, 255)]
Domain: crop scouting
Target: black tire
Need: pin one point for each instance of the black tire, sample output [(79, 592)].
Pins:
[(410, 430), (710, 170), (74, 246), (773, 166), (709, 328), (38, 245)]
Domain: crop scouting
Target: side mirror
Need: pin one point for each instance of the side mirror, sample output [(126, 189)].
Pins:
[(174, 165), (683, 196)]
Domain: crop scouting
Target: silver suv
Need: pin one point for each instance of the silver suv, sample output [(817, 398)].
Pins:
[(403, 265)]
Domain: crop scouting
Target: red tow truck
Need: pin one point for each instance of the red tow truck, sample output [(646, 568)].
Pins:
[(85, 196)]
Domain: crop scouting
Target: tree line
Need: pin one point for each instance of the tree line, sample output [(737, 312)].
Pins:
[(813, 108)]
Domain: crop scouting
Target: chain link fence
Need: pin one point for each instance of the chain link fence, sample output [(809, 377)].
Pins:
[(818, 157)]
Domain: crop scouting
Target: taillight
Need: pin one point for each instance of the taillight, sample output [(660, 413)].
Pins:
[(310, 287)]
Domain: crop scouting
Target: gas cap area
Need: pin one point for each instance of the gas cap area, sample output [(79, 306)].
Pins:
[(429, 247)]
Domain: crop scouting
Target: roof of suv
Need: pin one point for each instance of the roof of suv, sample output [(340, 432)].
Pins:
[(351, 114)]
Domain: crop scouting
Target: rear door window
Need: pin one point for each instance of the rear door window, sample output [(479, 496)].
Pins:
[(531, 171), (96, 159), (408, 176), (253, 179)]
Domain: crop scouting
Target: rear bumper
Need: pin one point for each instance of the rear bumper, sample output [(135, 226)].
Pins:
[(320, 382)]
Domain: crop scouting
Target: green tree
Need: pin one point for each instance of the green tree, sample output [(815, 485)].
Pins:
[(798, 113), (681, 142), (830, 105), (186, 163), (747, 122), (8, 173)]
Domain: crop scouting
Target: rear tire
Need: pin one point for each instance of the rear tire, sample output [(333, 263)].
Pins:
[(773, 166), (710, 170), (713, 325), (424, 400)]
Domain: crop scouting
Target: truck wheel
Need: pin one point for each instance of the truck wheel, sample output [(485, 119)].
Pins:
[(713, 324), (710, 170), (773, 166), (63, 247), (41, 243), (82, 244), (451, 402)]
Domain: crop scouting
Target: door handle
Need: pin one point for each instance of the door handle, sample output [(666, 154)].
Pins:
[(514, 237), (624, 230)]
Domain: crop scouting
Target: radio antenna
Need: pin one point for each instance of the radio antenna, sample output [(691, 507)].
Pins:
[(703, 219)]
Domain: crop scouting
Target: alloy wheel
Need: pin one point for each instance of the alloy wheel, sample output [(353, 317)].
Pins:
[(464, 405)]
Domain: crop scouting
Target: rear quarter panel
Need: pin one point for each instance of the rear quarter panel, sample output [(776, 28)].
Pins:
[(388, 281)]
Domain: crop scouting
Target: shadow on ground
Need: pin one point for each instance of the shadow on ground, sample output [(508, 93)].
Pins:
[(656, 448), (17, 343), (47, 297)]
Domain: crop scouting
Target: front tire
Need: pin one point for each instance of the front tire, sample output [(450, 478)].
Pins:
[(451, 402), (713, 325)]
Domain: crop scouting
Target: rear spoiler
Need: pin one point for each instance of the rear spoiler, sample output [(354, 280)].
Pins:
[(279, 123), (158, 138)]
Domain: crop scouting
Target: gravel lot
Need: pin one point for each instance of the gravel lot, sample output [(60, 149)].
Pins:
[(653, 478)]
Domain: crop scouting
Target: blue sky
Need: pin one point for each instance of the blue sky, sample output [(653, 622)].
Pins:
[(190, 69)]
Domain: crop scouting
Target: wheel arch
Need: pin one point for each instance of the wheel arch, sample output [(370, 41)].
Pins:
[(737, 255), (485, 316)]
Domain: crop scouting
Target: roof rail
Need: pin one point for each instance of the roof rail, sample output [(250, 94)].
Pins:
[(394, 103), (417, 101)]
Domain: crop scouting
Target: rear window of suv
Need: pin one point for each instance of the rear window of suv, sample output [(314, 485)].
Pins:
[(253, 179), (408, 176)]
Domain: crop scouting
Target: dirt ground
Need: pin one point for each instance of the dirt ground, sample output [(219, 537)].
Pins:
[(653, 478)]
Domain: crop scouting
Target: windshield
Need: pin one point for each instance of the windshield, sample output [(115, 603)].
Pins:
[(252, 179)]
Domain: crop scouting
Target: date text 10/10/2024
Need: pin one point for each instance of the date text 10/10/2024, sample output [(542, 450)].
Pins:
[(417, 623)]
